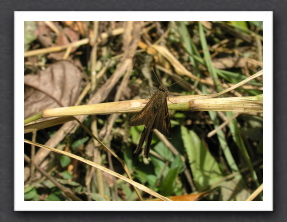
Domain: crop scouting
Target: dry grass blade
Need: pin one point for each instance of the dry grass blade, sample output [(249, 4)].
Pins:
[(112, 152), (139, 186), (213, 132), (74, 44), (255, 193), (67, 191), (180, 69), (37, 126), (260, 73), (46, 124)]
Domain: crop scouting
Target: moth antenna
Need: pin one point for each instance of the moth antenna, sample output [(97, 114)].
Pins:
[(160, 81), (156, 76), (176, 82)]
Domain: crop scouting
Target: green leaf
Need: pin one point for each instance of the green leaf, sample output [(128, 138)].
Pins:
[(28, 189), (159, 166), (141, 176), (66, 175), (97, 197), (177, 163), (56, 195), (168, 184), (186, 40), (151, 179), (30, 193), (67, 182), (30, 35), (236, 135), (65, 161), (48, 183), (204, 167), (135, 133), (163, 151), (240, 24), (189, 47), (179, 116), (53, 197), (223, 143), (131, 195), (128, 156), (207, 58), (79, 142), (79, 189), (259, 24), (127, 190)]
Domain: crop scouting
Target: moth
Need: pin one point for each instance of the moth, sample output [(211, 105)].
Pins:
[(153, 116)]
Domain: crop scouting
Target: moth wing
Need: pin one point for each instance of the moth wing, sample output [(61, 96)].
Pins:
[(163, 124), (142, 139), (147, 145), (146, 137), (144, 116)]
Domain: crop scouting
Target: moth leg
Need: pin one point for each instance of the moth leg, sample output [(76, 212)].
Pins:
[(166, 115), (147, 145), (170, 101), (151, 93), (142, 139)]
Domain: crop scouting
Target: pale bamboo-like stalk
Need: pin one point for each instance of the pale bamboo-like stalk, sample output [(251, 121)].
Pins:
[(183, 103), (255, 193)]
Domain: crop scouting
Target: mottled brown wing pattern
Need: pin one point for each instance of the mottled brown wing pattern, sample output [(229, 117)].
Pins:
[(163, 124), (146, 137), (144, 115), (153, 116), (142, 139)]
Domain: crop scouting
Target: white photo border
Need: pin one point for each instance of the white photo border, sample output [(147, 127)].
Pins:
[(20, 17)]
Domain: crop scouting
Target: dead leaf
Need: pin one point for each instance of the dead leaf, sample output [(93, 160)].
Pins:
[(187, 197), (78, 26), (45, 35), (233, 189), (57, 86), (66, 37)]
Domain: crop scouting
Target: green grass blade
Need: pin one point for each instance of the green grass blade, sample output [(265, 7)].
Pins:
[(208, 59), (205, 169)]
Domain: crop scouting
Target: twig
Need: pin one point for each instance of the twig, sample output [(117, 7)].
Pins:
[(73, 44), (210, 134), (138, 185), (94, 56), (66, 190)]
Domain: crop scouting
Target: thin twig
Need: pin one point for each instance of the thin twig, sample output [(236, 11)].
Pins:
[(210, 134), (66, 190), (138, 185), (94, 56)]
